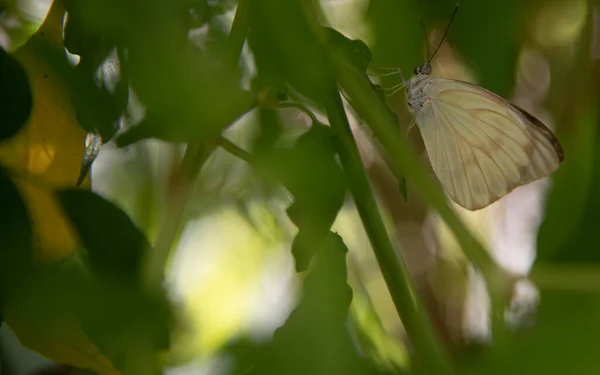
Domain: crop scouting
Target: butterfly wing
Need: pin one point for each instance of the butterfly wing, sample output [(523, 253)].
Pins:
[(547, 151), (482, 147)]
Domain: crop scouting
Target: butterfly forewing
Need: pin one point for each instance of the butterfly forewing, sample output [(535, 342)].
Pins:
[(482, 147)]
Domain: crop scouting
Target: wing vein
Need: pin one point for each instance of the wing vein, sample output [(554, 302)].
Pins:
[(479, 148)]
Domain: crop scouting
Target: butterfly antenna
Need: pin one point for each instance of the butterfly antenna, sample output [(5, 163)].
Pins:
[(445, 33), (426, 39)]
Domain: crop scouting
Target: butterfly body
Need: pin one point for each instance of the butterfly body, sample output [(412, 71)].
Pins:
[(481, 146)]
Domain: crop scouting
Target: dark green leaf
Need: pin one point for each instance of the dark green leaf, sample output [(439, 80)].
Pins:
[(121, 318), (491, 51), (314, 339), (356, 51), (312, 175), (189, 122), (91, 44), (563, 318), (16, 238), (114, 243), (275, 27), (16, 99), (95, 107)]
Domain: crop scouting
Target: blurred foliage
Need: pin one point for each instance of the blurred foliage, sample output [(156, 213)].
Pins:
[(314, 339), (78, 276)]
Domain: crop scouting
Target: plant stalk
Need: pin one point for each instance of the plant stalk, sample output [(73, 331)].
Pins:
[(430, 355)]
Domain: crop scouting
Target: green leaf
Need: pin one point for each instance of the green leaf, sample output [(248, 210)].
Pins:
[(491, 51), (16, 238), (398, 36), (285, 42), (117, 313), (356, 51), (115, 245), (16, 99), (121, 319), (312, 175), (95, 108), (92, 44), (188, 122), (314, 339), (563, 317)]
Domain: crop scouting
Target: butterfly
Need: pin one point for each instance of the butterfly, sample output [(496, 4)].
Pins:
[(481, 146)]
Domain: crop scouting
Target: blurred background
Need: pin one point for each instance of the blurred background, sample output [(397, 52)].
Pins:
[(231, 278)]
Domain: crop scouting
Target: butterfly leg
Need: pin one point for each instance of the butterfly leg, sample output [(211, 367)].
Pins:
[(412, 123)]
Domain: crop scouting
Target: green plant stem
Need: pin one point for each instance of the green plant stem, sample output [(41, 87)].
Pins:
[(405, 162), (237, 35), (144, 360), (578, 278), (300, 107), (193, 160), (430, 355), (235, 150)]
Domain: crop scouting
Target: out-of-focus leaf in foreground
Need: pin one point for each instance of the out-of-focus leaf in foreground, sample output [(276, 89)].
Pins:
[(114, 244), (314, 339), (562, 317), (115, 248), (191, 93), (275, 27), (312, 175), (46, 317), (51, 145), (16, 240), (15, 95)]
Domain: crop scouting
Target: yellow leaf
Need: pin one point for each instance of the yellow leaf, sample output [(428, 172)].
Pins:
[(49, 148), (61, 340), (46, 155)]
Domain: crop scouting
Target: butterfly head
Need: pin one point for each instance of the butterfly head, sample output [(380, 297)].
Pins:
[(424, 69)]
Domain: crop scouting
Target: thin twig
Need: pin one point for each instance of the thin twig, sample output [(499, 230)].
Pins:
[(301, 107), (235, 150)]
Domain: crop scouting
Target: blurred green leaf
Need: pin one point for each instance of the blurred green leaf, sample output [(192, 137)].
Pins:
[(95, 107), (119, 316), (491, 51), (356, 51), (398, 35), (314, 339), (312, 175), (114, 243), (16, 239), (563, 341), (16, 99), (275, 27), (124, 322), (46, 316), (571, 209), (91, 44), (187, 122)]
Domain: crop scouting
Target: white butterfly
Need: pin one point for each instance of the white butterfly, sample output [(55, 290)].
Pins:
[(480, 145)]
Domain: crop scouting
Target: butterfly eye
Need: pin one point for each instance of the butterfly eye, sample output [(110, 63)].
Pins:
[(425, 69)]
